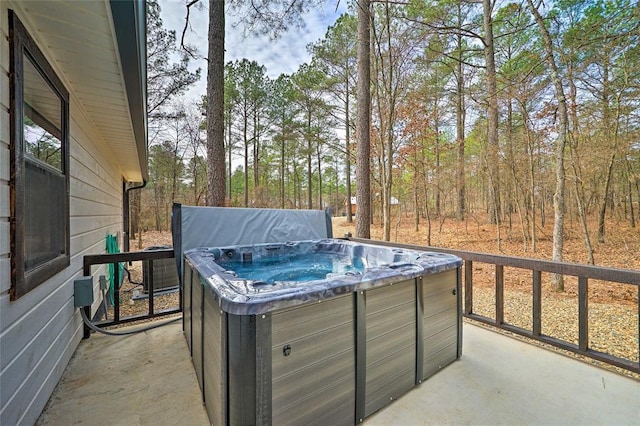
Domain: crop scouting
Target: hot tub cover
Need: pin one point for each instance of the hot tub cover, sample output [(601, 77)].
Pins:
[(195, 226)]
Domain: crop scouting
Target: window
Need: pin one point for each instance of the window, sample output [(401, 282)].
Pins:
[(39, 165)]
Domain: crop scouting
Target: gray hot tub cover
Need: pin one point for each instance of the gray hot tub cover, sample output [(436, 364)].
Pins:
[(194, 227)]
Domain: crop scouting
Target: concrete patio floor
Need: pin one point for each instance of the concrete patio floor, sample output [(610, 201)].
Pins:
[(148, 379)]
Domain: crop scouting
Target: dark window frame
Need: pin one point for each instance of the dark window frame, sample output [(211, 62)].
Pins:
[(21, 46)]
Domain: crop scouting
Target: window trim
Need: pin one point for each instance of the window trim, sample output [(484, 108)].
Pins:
[(21, 45)]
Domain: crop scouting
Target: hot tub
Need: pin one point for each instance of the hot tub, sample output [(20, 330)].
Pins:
[(316, 332)]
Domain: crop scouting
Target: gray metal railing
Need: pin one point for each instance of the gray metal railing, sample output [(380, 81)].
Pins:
[(584, 273), (148, 256)]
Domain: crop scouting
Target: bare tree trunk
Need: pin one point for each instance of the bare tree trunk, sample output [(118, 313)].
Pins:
[(426, 206), (319, 159), (194, 174), (558, 197), (460, 119), (510, 160), (605, 198), (607, 118), (416, 208), (363, 194), (387, 176), (296, 203), (336, 201), (347, 147), (229, 152), (532, 178), (632, 219), (576, 164), (437, 154), (256, 154), (157, 197), (246, 163), (176, 160), (580, 197), (385, 95), (493, 158), (282, 166), (575, 158), (309, 169), (215, 106)]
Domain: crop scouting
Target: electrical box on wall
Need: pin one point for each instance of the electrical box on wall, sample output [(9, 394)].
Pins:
[(83, 292)]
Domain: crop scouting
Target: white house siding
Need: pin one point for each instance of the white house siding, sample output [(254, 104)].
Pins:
[(40, 331)]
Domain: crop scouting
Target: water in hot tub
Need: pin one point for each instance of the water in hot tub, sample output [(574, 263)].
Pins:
[(298, 267)]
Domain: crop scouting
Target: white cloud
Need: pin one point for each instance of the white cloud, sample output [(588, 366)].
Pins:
[(283, 55)]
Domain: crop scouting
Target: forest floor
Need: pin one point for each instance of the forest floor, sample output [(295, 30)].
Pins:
[(613, 308)]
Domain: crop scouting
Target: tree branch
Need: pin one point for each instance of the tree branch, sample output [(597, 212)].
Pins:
[(184, 30)]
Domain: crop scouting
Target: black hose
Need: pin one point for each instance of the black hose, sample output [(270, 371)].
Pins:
[(93, 327), (129, 277)]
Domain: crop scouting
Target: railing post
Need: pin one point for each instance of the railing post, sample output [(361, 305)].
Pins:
[(116, 292), (537, 303), (468, 287), (150, 287), (499, 294), (86, 331), (583, 314)]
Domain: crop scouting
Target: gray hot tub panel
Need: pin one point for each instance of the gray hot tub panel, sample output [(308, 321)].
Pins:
[(440, 323), (391, 343), (332, 361), (313, 355)]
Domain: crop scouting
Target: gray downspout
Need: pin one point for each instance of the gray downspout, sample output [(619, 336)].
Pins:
[(126, 220)]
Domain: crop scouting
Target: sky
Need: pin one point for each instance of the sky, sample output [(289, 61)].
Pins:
[(283, 55)]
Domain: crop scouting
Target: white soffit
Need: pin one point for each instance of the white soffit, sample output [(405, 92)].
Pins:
[(79, 37)]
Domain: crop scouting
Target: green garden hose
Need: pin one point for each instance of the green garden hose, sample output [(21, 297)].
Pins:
[(112, 247)]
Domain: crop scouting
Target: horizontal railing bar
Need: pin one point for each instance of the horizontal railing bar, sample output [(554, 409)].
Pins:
[(164, 312), (98, 259), (117, 258), (561, 344), (623, 276)]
